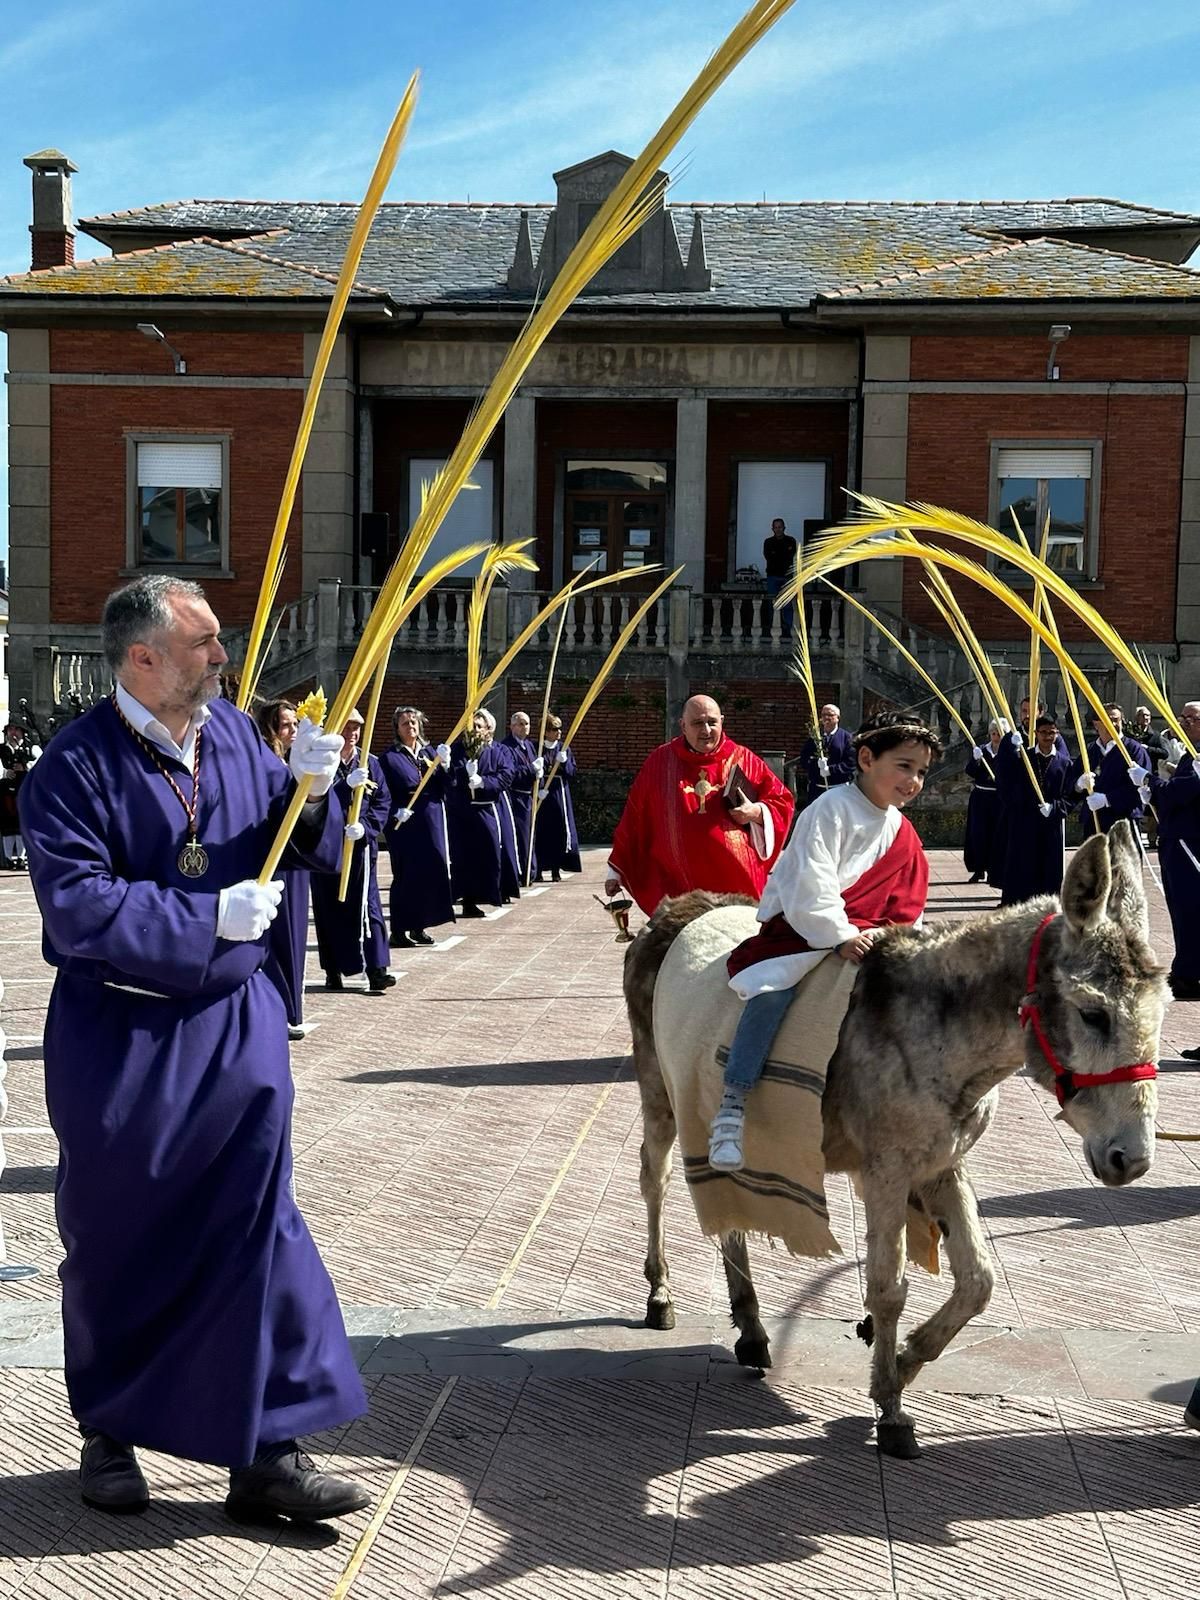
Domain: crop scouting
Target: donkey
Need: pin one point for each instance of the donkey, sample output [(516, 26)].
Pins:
[(937, 1020)]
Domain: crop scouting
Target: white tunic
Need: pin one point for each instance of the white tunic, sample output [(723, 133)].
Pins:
[(836, 840)]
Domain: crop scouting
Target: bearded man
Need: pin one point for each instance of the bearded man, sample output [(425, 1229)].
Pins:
[(703, 813), (198, 1318)]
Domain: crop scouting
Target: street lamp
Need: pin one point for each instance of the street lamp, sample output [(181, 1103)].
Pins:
[(151, 332), (1059, 331)]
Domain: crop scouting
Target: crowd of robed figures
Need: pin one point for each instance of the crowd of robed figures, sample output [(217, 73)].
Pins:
[(469, 839)]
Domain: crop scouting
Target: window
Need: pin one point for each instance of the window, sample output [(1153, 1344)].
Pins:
[(793, 490), (1059, 482), (614, 514), (470, 519), (179, 505)]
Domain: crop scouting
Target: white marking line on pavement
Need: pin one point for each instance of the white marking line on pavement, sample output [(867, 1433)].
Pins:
[(500, 911), (537, 888), (369, 1534), (11, 983), (23, 1038), (5, 1130), (20, 941), (447, 944)]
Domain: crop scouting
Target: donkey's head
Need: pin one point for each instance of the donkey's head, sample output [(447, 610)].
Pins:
[(1097, 1005)]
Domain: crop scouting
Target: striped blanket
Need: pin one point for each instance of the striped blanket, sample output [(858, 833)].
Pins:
[(781, 1189)]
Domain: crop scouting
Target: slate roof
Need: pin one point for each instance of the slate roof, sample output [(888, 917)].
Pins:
[(1037, 269), (762, 256), (200, 268)]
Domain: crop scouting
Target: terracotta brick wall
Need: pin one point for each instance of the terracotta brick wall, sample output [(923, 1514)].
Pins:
[(949, 463), (767, 428), (1123, 357), (88, 486), (225, 355)]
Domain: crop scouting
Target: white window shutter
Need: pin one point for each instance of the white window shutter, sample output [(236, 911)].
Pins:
[(179, 464), (1042, 463)]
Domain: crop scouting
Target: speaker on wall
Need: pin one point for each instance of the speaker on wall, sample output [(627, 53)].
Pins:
[(373, 533)]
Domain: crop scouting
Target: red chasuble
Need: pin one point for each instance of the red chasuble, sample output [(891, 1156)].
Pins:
[(893, 891), (676, 833)]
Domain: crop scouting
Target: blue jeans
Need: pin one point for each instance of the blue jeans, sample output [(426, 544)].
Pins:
[(759, 1023), (787, 613)]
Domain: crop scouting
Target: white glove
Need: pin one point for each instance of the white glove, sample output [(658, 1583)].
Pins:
[(247, 910), (560, 760), (474, 782), (402, 815), (1097, 802), (1144, 794), (543, 794), (1045, 808), (1139, 776), (354, 831), (1085, 780), (356, 777), (1018, 742), (1175, 749), (443, 754), (1165, 770), (539, 765), (472, 769), (977, 752), (823, 766), (315, 755)]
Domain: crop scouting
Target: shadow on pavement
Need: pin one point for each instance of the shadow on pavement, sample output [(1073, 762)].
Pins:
[(28, 1180), (1099, 1208), (508, 1074)]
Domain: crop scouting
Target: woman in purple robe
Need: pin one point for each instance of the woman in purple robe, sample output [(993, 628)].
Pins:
[(480, 776), (351, 933), (198, 1317), (557, 837), (287, 937), (418, 840)]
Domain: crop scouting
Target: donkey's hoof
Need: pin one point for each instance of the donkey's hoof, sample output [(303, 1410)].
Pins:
[(752, 1351), (897, 1439), (660, 1314), (866, 1330)]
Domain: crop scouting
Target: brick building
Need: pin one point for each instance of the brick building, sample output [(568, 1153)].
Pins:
[(736, 362)]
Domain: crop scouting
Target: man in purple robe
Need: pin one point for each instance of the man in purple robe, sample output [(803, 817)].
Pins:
[(1177, 798), (198, 1318), (557, 839), (480, 777), (528, 768), (1116, 786)]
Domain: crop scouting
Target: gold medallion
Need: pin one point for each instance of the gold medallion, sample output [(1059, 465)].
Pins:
[(193, 859)]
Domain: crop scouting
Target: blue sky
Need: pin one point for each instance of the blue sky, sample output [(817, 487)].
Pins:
[(927, 99)]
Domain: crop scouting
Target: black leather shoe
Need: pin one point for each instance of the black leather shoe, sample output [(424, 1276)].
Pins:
[(333, 982), (291, 1486), (109, 1476), (1185, 988), (400, 941), (379, 979), (470, 909), (419, 936)]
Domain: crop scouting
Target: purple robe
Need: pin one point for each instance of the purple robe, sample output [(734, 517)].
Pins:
[(1033, 844), (420, 895), (198, 1317), (1177, 801), (524, 754), (983, 844), (482, 872), (1111, 772), (287, 944), (351, 933), (557, 837), (838, 749)]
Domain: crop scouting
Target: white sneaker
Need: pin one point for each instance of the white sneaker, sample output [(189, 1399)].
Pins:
[(725, 1141)]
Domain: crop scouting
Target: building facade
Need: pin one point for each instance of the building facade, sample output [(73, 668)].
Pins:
[(735, 363)]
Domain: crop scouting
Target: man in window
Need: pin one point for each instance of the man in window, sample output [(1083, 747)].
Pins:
[(779, 556)]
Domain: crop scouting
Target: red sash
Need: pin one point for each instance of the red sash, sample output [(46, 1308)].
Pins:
[(892, 891)]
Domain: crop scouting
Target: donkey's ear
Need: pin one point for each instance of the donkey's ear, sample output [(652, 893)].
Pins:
[(1087, 885), (1127, 897)]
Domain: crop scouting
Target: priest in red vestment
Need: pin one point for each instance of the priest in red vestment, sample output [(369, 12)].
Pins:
[(703, 813)]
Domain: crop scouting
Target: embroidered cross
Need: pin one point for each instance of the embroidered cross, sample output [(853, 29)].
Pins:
[(702, 788)]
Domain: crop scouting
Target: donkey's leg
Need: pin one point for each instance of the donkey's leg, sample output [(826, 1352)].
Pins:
[(753, 1348), (657, 1139), (885, 1200), (950, 1200)]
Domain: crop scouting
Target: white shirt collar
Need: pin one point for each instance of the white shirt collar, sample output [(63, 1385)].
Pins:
[(148, 725)]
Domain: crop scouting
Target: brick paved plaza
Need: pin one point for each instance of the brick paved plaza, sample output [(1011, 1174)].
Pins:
[(466, 1153)]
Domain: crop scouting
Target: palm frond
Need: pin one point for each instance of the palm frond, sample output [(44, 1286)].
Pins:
[(800, 665), (364, 752), (384, 167)]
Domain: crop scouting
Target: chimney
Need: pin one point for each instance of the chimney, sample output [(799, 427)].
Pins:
[(53, 226)]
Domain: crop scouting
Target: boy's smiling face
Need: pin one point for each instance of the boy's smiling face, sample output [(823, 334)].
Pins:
[(896, 777)]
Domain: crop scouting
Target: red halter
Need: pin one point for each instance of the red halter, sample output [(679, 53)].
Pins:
[(1066, 1082)]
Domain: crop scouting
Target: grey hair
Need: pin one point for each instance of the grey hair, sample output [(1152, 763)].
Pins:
[(137, 612), (410, 711), (997, 725), (487, 717)]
